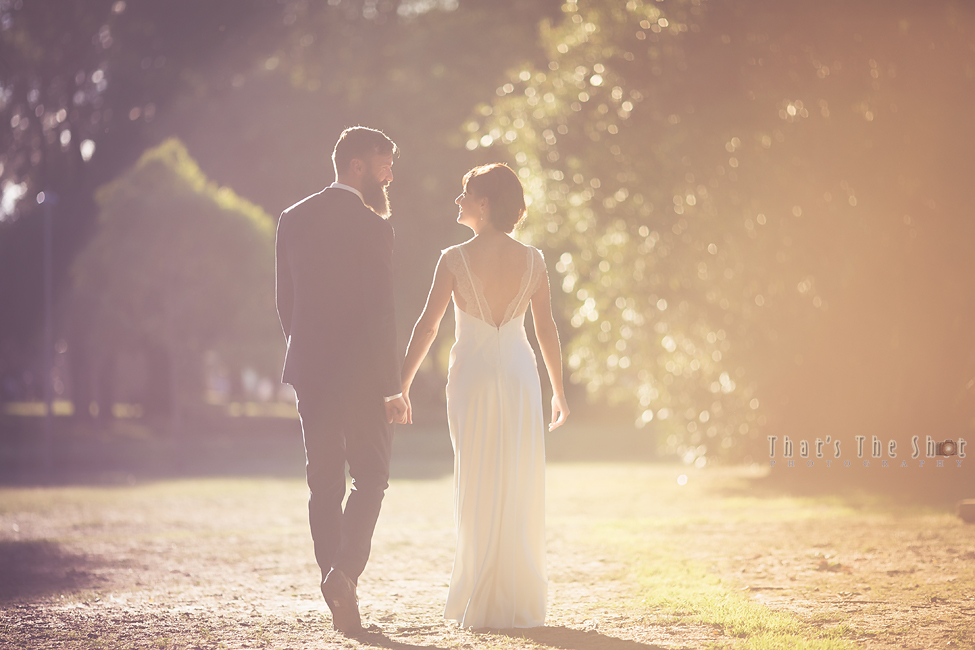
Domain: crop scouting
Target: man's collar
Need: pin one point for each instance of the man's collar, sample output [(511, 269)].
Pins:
[(348, 188)]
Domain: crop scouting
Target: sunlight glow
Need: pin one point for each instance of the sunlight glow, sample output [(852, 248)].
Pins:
[(87, 149), (12, 193)]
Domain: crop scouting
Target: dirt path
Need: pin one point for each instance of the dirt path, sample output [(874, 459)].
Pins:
[(228, 563)]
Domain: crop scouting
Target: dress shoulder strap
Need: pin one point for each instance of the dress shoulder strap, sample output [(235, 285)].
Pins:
[(534, 272), (466, 284), (470, 277)]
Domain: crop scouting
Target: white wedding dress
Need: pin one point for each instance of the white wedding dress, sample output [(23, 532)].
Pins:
[(497, 428)]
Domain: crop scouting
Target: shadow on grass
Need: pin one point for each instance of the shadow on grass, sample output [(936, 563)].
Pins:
[(32, 569), (569, 639), (551, 637), (113, 452), (128, 453), (376, 638)]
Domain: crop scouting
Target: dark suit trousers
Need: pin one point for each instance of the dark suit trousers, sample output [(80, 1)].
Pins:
[(337, 429)]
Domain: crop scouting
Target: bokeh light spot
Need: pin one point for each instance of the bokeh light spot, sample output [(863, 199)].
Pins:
[(87, 149)]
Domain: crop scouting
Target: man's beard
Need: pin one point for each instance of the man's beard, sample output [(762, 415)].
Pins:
[(375, 196)]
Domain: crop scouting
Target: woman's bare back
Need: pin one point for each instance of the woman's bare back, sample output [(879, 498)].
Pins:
[(499, 263)]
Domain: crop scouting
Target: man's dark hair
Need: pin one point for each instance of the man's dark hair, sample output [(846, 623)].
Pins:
[(359, 142)]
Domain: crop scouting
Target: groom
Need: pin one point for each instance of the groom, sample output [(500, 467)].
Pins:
[(335, 300)]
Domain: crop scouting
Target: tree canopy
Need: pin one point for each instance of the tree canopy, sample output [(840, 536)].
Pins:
[(182, 264), (739, 197)]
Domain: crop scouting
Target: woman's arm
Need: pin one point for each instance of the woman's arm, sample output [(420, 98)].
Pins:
[(425, 330), (548, 340)]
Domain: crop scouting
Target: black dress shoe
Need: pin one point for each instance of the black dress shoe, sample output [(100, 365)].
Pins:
[(339, 593)]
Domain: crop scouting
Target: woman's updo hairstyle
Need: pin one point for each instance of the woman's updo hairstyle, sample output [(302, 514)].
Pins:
[(500, 186)]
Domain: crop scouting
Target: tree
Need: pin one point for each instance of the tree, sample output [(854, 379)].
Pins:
[(80, 78), (183, 265), (81, 86), (716, 177)]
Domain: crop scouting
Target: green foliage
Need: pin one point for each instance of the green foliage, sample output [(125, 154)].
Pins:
[(715, 178), (601, 149), (99, 70), (182, 264), (85, 87)]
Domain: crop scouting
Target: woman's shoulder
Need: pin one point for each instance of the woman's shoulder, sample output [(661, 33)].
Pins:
[(452, 258), (535, 252)]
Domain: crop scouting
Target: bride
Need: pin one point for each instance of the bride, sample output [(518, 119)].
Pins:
[(494, 404)]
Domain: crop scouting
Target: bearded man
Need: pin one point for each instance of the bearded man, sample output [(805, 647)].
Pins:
[(335, 300)]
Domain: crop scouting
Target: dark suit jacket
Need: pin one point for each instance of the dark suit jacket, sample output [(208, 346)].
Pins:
[(335, 296)]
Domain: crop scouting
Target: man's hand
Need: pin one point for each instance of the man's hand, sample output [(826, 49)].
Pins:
[(397, 410)]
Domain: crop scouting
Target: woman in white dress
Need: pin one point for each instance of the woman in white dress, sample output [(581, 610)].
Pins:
[(494, 405)]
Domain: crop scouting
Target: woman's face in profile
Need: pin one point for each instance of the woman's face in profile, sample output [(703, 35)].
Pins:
[(471, 210)]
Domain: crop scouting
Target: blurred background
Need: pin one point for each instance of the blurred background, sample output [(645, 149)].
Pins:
[(755, 213)]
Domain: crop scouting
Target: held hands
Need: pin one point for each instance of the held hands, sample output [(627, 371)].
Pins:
[(398, 410), (560, 411)]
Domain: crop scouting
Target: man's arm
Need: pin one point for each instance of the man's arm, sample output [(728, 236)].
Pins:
[(284, 293)]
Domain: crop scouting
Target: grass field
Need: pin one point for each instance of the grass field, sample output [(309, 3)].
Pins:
[(637, 561)]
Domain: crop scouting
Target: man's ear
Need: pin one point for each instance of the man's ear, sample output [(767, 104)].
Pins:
[(356, 166)]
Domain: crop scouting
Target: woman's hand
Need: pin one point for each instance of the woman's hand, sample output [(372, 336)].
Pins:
[(560, 411), (408, 416)]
